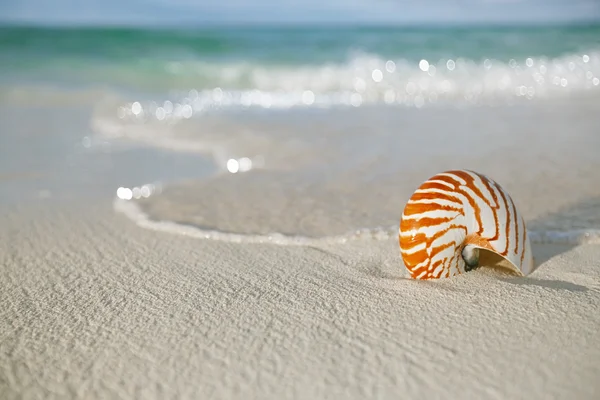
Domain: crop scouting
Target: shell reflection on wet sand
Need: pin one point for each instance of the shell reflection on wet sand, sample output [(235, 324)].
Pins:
[(453, 215)]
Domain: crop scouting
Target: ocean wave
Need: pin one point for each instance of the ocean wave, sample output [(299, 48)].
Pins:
[(179, 89), (367, 80)]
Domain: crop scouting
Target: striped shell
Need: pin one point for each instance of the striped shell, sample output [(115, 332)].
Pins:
[(454, 214)]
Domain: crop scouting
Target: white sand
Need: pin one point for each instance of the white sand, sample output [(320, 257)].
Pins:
[(93, 306)]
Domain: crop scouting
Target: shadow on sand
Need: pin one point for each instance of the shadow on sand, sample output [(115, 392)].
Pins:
[(547, 283)]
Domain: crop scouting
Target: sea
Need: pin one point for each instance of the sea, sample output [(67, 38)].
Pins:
[(297, 134)]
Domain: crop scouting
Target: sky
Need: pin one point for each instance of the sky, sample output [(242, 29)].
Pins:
[(172, 12)]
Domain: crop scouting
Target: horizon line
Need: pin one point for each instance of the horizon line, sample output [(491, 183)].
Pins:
[(25, 23)]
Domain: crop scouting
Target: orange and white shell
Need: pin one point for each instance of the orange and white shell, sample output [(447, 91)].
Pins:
[(454, 214)]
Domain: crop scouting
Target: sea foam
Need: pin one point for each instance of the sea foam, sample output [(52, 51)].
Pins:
[(369, 79)]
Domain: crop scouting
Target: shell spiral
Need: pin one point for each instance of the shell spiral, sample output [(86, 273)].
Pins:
[(454, 214)]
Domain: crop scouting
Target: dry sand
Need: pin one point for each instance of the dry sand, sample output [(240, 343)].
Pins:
[(93, 306)]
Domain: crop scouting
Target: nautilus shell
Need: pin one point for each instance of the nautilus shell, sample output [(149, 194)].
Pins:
[(454, 214)]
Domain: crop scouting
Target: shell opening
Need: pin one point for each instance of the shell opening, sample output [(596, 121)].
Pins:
[(491, 259), (471, 256)]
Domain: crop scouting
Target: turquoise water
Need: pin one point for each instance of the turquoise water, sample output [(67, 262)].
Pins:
[(296, 45), (273, 58)]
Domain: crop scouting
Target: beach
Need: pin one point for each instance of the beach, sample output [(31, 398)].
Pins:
[(138, 261)]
